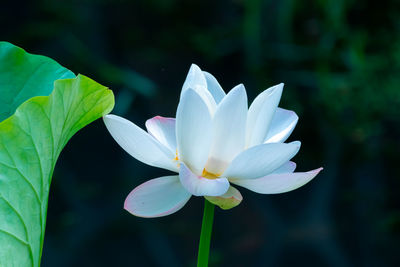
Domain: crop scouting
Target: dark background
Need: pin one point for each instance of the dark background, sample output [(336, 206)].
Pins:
[(340, 62)]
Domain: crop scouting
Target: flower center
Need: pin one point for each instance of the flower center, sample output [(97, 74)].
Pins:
[(205, 173), (209, 175)]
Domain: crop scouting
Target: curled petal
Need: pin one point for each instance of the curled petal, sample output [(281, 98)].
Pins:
[(214, 88), (289, 166), (278, 182), (261, 160), (193, 131), (200, 186), (260, 115), (282, 125), (139, 144), (163, 129), (229, 200), (157, 197)]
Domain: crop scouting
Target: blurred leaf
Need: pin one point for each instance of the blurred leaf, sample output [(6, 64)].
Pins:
[(131, 79), (123, 101), (31, 141), (123, 76)]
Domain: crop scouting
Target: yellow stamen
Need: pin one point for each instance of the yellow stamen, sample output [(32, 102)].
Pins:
[(176, 155), (209, 175), (176, 159)]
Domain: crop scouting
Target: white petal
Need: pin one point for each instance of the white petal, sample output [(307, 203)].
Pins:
[(229, 200), (213, 86), (229, 129), (278, 182), (195, 77), (261, 160), (289, 166), (157, 197), (260, 115), (282, 126), (193, 131), (207, 98), (163, 129), (139, 144), (200, 186), (195, 80)]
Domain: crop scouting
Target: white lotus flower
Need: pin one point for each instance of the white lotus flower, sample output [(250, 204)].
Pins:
[(215, 141)]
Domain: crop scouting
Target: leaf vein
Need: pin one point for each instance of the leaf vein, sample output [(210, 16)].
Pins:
[(15, 237), (23, 223), (20, 173)]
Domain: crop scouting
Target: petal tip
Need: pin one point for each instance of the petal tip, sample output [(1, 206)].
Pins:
[(315, 172), (194, 65), (127, 205), (195, 69), (293, 165), (238, 89), (319, 169), (278, 87), (297, 144), (295, 116)]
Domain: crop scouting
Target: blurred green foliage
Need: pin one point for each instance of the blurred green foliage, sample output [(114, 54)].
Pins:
[(340, 62)]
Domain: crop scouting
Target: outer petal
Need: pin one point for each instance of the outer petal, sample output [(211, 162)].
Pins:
[(193, 131), (261, 160), (195, 80), (229, 130), (139, 144), (200, 186), (229, 200), (214, 88), (157, 197), (260, 115), (163, 129), (278, 183), (282, 126)]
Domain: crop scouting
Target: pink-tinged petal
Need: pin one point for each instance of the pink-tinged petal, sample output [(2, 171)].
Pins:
[(200, 186), (261, 160), (193, 131), (157, 197), (282, 126), (139, 144), (289, 166), (163, 129), (196, 81), (260, 115), (229, 200), (229, 130), (277, 183), (214, 88)]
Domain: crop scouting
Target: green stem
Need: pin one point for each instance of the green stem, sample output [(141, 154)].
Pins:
[(205, 236)]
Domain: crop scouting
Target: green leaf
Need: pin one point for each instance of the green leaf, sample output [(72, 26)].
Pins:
[(31, 141), (23, 75)]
